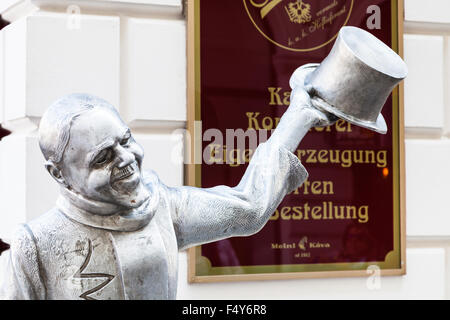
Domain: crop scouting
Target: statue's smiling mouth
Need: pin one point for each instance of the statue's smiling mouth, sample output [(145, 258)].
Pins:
[(125, 172)]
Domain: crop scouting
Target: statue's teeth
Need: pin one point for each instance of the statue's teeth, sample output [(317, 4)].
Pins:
[(125, 171)]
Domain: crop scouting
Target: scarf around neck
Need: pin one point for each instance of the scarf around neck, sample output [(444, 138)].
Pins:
[(83, 210)]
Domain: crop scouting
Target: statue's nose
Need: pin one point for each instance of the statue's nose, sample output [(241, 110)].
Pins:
[(125, 157)]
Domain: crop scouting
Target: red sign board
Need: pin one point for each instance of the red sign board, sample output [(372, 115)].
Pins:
[(348, 215)]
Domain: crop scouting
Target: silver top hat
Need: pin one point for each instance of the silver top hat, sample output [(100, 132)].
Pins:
[(354, 81)]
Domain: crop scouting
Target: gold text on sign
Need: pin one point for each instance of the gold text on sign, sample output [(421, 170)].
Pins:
[(266, 6)]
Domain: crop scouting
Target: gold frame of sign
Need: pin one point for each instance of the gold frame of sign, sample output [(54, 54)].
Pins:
[(199, 268)]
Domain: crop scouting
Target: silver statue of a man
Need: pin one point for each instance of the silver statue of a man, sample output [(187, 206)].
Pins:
[(116, 231)]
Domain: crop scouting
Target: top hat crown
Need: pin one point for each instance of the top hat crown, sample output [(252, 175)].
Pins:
[(354, 81)]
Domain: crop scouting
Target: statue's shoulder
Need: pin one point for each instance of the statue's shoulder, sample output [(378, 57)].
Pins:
[(24, 251), (23, 241), (50, 222), (51, 227), (44, 223), (53, 233)]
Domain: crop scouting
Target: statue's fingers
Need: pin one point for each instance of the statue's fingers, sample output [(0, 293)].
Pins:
[(298, 77), (325, 118), (310, 89), (300, 97)]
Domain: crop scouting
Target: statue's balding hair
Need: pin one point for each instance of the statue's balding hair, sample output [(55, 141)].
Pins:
[(54, 128)]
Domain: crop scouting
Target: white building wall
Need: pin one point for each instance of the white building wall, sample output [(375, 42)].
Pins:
[(133, 54)]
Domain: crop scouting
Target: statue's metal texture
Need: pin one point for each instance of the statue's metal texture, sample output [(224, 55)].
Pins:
[(115, 231)]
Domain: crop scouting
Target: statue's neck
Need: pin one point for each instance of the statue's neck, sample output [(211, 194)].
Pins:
[(106, 215), (94, 207)]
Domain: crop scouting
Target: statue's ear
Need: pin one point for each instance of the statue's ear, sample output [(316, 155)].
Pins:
[(55, 172)]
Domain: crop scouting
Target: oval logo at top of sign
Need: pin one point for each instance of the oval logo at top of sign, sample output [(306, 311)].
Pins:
[(299, 25)]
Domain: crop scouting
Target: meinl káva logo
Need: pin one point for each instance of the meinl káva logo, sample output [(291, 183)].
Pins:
[(299, 25)]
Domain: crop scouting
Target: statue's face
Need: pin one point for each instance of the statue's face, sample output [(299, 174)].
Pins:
[(102, 161)]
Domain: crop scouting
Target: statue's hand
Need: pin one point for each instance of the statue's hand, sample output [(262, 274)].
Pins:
[(301, 97), (323, 118)]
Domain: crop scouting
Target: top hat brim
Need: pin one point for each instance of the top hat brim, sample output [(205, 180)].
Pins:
[(378, 126)]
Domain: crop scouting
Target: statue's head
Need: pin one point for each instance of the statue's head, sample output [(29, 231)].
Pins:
[(91, 152)]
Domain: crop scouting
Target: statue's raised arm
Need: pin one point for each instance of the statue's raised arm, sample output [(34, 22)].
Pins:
[(205, 215)]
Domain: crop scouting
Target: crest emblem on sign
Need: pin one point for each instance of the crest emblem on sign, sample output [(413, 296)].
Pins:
[(299, 25), (302, 243), (299, 12)]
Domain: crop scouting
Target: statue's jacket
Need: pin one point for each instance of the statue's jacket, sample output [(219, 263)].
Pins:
[(62, 255)]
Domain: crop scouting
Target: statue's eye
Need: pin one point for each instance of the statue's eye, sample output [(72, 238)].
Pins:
[(102, 157), (124, 141)]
